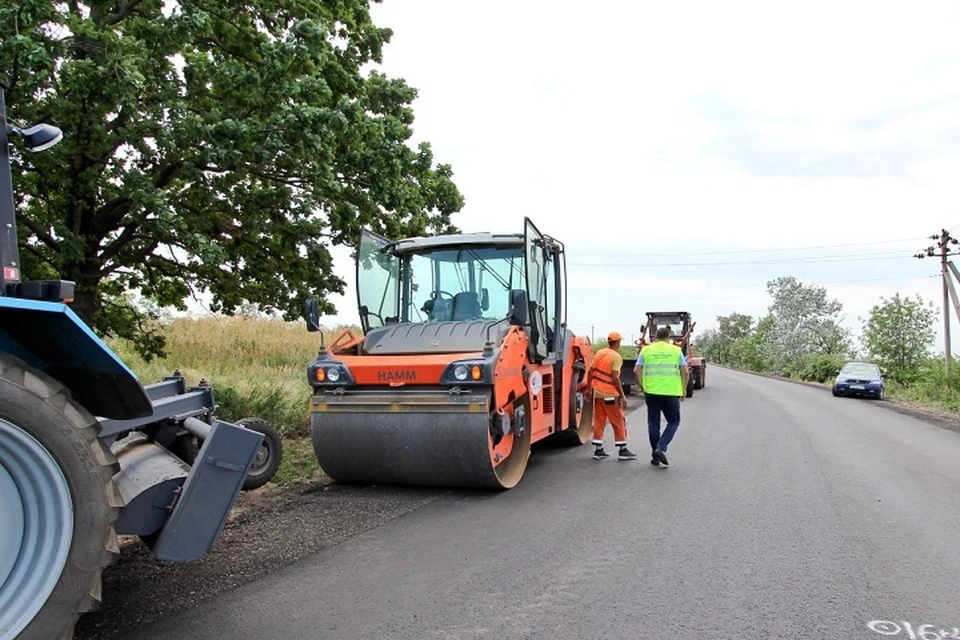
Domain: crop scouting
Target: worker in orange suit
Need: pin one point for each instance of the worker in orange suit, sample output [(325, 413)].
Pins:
[(609, 400)]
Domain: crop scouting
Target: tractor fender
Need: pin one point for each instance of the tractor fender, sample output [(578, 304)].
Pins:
[(50, 337)]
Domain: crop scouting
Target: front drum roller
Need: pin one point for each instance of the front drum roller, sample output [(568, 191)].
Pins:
[(418, 438)]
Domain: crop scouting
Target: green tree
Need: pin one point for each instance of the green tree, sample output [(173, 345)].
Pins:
[(805, 322), (750, 351), (717, 343), (208, 146), (706, 343), (898, 333)]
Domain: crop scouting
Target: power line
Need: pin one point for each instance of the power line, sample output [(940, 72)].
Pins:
[(807, 260), (746, 251), (876, 279)]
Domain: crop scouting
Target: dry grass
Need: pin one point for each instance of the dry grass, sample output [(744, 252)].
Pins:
[(257, 368)]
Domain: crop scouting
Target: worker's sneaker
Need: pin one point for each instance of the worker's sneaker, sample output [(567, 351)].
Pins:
[(600, 454), (662, 457), (654, 461), (626, 454)]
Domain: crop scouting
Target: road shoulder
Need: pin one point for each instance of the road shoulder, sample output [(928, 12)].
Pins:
[(939, 417)]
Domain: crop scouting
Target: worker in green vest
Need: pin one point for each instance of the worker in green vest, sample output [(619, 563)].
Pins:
[(663, 374)]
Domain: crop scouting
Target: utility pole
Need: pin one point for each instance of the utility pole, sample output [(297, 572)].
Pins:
[(592, 339), (9, 250), (942, 250)]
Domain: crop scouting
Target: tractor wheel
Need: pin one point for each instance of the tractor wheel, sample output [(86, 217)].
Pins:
[(269, 455), (690, 388), (698, 378), (58, 508)]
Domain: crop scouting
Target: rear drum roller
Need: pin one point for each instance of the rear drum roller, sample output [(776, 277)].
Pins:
[(57, 510), (582, 432)]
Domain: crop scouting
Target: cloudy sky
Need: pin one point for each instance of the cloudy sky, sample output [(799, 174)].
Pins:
[(661, 142)]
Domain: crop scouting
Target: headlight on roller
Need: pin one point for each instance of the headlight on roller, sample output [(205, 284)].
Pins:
[(328, 373), (468, 371)]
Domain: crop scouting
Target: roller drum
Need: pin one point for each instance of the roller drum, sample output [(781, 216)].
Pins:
[(410, 438)]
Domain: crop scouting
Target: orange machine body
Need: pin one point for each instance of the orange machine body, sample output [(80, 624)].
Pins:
[(465, 361), (549, 388)]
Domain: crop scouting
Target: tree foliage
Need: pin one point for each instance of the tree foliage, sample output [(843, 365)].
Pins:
[(720, 344), (208, 146), (898, 333), (805, 322), (801, 337)]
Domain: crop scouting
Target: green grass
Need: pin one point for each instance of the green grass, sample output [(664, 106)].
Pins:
[(931, 387), (299, 462)]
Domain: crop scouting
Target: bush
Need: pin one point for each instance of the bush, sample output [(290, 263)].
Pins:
[(931, 386), (821, 367)]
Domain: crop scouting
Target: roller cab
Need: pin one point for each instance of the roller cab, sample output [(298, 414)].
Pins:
[(465, 361)]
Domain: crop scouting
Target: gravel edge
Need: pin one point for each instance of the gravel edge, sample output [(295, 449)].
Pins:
[(268, 529)]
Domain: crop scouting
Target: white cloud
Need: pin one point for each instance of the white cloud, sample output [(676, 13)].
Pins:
[(649, 128)]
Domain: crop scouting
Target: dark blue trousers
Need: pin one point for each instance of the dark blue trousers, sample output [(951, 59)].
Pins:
[(669, 406)]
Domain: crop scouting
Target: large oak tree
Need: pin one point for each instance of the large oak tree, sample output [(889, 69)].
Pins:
[(212, 146)]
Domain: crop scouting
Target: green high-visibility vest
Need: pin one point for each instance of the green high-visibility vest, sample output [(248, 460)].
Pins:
[(661, 369)]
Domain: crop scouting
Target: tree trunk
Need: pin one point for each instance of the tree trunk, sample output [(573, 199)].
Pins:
[(86, 299)]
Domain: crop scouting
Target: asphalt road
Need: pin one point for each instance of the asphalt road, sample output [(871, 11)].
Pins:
[(785, 513)]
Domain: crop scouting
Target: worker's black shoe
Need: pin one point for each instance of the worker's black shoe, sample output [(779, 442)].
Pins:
[(626, 454), (662, 457), (654, 461), (600, 454)]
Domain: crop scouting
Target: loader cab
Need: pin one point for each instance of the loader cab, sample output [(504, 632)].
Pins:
[(678, 321), (494, 279)]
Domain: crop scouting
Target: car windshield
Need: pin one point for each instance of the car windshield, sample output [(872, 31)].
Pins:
[(859, 369)]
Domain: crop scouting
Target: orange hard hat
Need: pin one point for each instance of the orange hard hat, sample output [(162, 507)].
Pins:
[(614, 336)]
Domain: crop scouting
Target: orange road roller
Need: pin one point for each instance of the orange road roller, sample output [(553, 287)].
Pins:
[(465, 361)]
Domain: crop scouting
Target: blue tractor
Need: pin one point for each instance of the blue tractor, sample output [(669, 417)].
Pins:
[(88, 453)]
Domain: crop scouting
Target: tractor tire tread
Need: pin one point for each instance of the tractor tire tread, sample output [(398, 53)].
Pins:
[(79, 589)]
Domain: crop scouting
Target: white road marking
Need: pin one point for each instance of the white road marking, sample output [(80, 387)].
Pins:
[(914, 632)]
